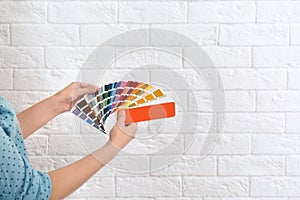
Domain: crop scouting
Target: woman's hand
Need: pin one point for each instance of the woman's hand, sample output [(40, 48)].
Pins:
[(121, 134), (68, 96), (39, 114)]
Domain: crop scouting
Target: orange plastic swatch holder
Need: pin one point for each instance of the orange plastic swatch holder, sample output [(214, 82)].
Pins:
[(145, 113)]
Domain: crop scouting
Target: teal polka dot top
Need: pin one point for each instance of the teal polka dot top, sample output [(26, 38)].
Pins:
[(18, 179)]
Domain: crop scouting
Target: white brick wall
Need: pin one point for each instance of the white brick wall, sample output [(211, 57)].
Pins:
[(254, 44)]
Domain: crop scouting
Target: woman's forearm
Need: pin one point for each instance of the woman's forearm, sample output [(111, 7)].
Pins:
[(38, 115), (67, 179)]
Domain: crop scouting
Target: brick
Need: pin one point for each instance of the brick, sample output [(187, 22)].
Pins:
[(275, 186), (278, 11), (185, 79), (278, 101), (232, 144), (254, 34), (161, 143), (97, 34), (25, 97), (148, 186), (294, 32), (21, 57), (66, 146), (177, 34), (239, 101), (48, 163), (201, 101), (37, 145), (66, 57), (196, 58), (22, 11), (229, 56), (226, 144), (4, 34), (43, 79), (276, 56), (181, 99), (292, 165), (292, 122), (293, 79), (45, 35), (221, 12), (186, 122), (99, 76), (155, 58), (125, 164), (152, 12), (73, 145), (254, 122), (86, 12), (6, 78), (215, 186), (185, 165), (251, 165), (275, 144), (243, 198), (104, 187), (109, 198), (253, 78), (179, 198), (235, 101), (66, 123)]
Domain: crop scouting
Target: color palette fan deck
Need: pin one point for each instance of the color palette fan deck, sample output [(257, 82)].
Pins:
[(140, 101)]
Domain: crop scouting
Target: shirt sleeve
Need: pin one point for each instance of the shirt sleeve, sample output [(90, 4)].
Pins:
[(18, 179)]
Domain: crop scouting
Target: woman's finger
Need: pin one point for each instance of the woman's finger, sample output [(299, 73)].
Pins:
[(87, 90), (85, 85)]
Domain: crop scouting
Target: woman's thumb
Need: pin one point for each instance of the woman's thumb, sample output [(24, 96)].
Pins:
[(121, 117)]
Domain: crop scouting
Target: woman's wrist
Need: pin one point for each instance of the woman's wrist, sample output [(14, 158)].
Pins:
[(57, 104), (106, 153), (119, 138), (118, 144)]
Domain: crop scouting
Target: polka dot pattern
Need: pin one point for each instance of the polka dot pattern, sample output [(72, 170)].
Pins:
[(18, 179)]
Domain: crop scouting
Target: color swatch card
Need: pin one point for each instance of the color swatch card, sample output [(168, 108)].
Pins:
[(140, 101)]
